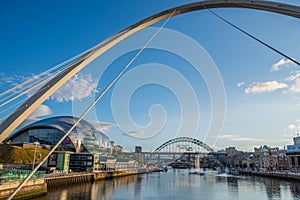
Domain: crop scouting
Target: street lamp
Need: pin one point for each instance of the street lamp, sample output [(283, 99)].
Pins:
[(34, 155)]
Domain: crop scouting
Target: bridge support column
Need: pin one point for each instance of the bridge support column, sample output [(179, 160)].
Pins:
[(197, 161)]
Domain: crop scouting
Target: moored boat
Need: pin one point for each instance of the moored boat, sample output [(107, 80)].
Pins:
[(181, 165)]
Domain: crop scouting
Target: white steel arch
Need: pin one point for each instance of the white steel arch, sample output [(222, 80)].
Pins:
[(32, 103)]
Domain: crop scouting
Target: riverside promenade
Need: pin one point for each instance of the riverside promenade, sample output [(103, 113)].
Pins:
[(285, 175)]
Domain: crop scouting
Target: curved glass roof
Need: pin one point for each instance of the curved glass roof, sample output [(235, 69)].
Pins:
[(84, 133)]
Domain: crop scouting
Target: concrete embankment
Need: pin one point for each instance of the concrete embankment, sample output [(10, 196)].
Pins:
[(107, 175), (33, 188), (69, 179), (279, 175), (38, 187), (77, 178)]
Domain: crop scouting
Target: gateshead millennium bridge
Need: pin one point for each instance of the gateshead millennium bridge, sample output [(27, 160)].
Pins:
[(21, 113), (33, 102)]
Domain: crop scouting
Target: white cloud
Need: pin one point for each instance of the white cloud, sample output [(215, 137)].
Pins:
[(289, 135), (248, 139), (13, 84), (240, 84), (103, 127), (270, 86), (281, 63), (291, 126), (296, 86), (85, 86), (135, 133), (8, 81), (41, 111), (294, 76), (237, 138)]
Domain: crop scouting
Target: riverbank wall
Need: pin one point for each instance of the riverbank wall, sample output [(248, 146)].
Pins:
[(108, 175), (69, 179), (38, 187), (277, 175), (57, 180), (33, 188)]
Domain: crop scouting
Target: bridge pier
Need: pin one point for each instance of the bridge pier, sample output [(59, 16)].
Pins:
[(197, 161)]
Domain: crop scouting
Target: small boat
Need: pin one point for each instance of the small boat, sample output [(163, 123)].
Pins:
[(227, 170), (219, 170), (180, 165), (165, 169), (198, 173), (234, 172)]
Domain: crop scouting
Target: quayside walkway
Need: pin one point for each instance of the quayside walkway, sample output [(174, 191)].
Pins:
[(286, 175)]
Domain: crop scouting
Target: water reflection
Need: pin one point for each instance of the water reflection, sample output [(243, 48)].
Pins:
[(107, 188), (179, 184), (272, 188), (295, 188), (233, 189)]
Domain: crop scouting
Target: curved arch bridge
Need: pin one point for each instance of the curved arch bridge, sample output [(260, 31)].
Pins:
[(183, 148), (184, 144)]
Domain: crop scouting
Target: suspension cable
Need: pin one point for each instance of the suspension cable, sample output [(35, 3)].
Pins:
[(41, 74), (252, 36), (34, 85), (79, 57), (89, 108), (25, 92)]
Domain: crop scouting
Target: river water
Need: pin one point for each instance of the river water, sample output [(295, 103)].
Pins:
[(179, 184)]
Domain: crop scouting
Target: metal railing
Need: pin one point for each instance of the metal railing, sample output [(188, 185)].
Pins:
[(7, 175)]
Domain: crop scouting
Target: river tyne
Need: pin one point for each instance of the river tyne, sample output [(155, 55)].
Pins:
[(179, 184)]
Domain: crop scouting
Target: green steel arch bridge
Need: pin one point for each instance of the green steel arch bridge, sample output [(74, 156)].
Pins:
[(184, 143), (179, 148), (175, 149)]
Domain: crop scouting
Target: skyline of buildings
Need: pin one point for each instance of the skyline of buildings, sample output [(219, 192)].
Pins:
[(260, 88)]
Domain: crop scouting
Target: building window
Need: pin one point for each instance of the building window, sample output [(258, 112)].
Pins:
[(89, 163), (293, 160)]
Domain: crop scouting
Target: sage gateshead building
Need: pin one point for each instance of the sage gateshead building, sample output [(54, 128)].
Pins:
[(84, 138)]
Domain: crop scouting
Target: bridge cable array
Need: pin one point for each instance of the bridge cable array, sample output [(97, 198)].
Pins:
[(88, 109), (31, 85)]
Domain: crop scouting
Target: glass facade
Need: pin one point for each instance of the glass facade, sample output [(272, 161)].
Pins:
[(84, 138), (81, 162), (296, 146), (48, 136)]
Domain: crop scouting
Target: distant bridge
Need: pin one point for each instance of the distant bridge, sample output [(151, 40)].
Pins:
[(184, 143), (179, 148)]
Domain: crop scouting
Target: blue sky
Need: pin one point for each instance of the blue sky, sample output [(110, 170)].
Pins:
[(262, 89)]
